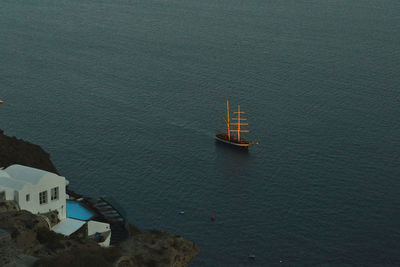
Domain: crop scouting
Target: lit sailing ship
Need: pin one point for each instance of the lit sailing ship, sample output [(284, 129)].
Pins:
[(232, 136)]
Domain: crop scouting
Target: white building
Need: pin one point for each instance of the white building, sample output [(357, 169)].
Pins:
[(104, 231), (39, 191), (99, 231), (34, 190)]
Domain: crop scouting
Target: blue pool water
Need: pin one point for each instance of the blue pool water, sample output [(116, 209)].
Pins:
[(77, 211)]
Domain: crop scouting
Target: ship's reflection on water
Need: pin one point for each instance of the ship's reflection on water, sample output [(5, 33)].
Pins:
[(220, 146), (232, 161)]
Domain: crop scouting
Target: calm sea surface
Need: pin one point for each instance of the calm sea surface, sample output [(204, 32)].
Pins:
[(126, 96)]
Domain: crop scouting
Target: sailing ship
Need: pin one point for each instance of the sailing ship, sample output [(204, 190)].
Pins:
[(234, 129)]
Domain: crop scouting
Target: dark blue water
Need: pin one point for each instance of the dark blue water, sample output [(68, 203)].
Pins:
[(126, 96)]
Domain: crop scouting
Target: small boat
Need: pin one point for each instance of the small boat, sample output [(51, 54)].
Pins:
[(252, 256), (232, 136), (1, 101)]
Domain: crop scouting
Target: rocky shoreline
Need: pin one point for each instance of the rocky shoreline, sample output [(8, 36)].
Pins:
[(27, 240)]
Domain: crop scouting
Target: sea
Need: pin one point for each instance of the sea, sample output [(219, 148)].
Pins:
[(127, 95)]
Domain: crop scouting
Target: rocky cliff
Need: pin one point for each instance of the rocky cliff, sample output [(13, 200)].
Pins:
[(17, 151), (27, 240)]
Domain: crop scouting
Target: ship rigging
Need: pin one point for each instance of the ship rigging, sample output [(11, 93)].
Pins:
[(234, 129)]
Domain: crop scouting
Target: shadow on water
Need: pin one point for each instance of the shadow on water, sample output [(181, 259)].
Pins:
[(231, 160), (227, 148)]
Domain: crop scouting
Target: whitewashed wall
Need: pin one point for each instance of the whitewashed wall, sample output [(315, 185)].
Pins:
[(47, 182), (99, 227), (9, 193)]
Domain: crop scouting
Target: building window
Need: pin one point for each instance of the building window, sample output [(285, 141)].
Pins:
[(43, 197), (54, 193), (28, 197)]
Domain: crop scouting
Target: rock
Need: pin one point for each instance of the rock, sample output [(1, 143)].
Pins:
[(157, 248), (7, 251), (8, 206), (52, 217), (18, 151), (22, 226), (27, 236)]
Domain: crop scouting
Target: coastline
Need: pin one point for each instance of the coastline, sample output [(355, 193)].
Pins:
[(28, 240)]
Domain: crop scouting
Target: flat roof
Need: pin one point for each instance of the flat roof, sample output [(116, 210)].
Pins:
[(68, 226)]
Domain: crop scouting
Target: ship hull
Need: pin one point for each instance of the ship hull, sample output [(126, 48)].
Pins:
[(244, 145)]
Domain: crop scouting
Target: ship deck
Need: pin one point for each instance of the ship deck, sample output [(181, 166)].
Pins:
[(233, 141)]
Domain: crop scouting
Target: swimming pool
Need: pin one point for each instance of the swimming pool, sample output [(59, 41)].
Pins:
[(76, 211)]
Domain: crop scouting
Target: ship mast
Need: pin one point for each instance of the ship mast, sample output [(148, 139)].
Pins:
[(239, 123)]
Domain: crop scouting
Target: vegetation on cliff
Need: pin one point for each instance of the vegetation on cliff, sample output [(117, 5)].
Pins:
[(29, 234)]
